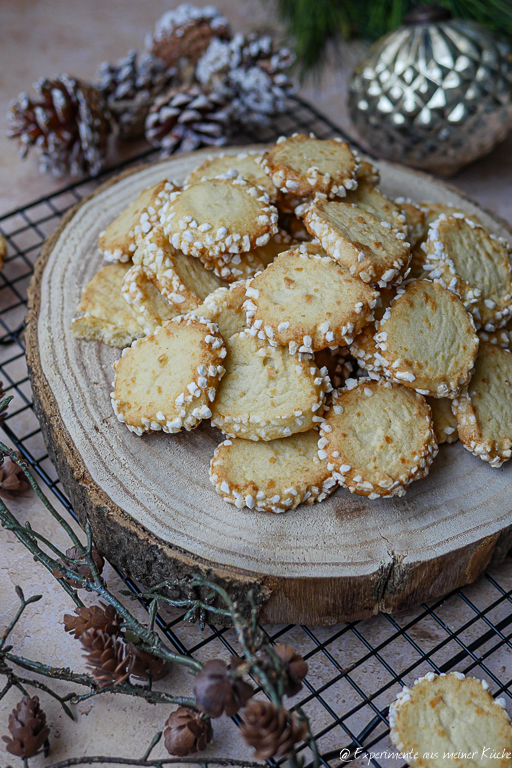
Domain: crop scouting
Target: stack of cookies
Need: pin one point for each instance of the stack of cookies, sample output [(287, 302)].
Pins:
[(335, 336)]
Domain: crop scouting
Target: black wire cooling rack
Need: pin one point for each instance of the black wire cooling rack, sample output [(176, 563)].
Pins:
[(355, 669)]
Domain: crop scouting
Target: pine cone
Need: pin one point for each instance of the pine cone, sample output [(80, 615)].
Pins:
[(272, 731), (217, 691), (297, 668), (129, 88), (182, 35), (68, 123), (184, 119), (83, 570), (146, 666), (100, 616), (13, 482), (107, 657), (3, 411), (27, 725), (250, 71), (187, 731)]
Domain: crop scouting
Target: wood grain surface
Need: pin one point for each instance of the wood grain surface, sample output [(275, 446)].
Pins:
[(154, 511)]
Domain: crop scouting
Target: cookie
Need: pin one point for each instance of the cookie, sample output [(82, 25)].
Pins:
[(224, 308), (219, 217), (147, 305), (468, 260), (307, 302), (445, 423), (304, 165), (451, 720), (295, 228), (417, 263), (105, 315), (241, 266), (427, 340), (433, 211), (371, 199), (484, 409), (364, 347), (272, 476), (266, 392), (500, 338), (415, 218), (336, 364), (369, 247), (181, 279), (377, 438), (367, 172), (244, 164), (117, 242), (168, 380)]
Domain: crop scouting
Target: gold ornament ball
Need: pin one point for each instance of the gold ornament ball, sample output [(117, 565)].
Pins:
[(436, 93)]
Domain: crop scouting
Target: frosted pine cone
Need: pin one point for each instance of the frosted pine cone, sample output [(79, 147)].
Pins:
[(68, 122), (182, 35), (184, 119), (130, 86)]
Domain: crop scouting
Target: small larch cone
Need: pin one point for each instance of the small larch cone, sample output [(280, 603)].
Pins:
[(296, 668), (187, 731), (217, 691), (83, 570), (107, 657), (272, 731), (145, 665), (100, 616), (12, 479), (27, 725)]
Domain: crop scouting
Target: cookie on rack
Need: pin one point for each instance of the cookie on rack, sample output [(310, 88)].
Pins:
[(267, 393), (427, 339), (224, 308), (246, 164), (445, 423), (474, 264), (366, 245), (484, 409), (147, 305), (117, 242), (377, 438), (104, 315), (307, 302), (181, 279), (168, 380), (449, 719), (273, 476), (304, 166), (219, 216)]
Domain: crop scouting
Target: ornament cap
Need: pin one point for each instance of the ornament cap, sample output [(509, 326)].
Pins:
[(427, 14)]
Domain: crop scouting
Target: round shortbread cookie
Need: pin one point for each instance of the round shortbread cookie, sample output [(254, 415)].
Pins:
[(448, 721), (433, 211), (484, 408), (415, 219), (368, 246), (500, 338), (377, 437), (369, 198), (224, 308), (445, 423), (181, 279), (272, 476), (240, 266), (266, 392), (304, 165), (427, 340), (148, 306), (219, 216), (244, 164), (118, 241), (364, 347), (417, 263), (308, 302), (168, 380), (367, 172), (468, 260)]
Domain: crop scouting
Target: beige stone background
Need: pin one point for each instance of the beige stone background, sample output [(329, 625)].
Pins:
[(45, 37)]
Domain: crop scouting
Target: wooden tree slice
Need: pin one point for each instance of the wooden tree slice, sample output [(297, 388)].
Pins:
[(151, 505)]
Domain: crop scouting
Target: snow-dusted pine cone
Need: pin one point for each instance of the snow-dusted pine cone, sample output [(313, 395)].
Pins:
[(69, 123), (182, 35), (184, 119), (251, 72), (130, 86)]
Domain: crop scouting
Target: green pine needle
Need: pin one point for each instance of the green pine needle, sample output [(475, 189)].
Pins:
[(314, 23)]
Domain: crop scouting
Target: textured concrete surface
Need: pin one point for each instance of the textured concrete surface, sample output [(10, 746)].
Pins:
[(44, 38)]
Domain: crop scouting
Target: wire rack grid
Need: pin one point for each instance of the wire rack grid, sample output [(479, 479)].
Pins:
[(355, 669)]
